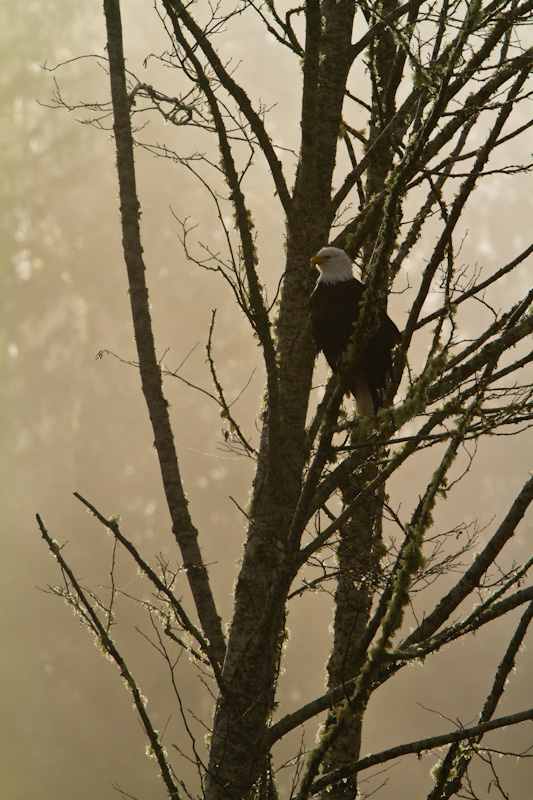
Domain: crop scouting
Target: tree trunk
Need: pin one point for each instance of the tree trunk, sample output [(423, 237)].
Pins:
[(250, 672), (356, 584)]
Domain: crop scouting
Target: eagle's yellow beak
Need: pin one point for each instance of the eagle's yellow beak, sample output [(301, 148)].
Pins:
[(317, 260)]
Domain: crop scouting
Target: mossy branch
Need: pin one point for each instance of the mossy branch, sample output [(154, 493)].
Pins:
[(180, 613), (179, 12), (417, 747), (108, 645), (258, 311)]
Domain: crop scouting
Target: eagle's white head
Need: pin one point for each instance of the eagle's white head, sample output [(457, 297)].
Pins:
[(333, 264)]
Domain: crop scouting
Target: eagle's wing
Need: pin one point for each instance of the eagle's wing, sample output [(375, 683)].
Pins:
[(334, 310)]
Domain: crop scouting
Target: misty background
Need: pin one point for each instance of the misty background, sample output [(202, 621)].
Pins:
[(74, 422)]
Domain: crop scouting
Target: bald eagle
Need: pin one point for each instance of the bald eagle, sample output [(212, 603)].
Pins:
[(334, 306)]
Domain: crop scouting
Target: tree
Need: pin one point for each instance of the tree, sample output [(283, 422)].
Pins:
[(440, 95)]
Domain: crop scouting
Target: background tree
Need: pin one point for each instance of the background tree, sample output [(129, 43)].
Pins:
[(406, 140)]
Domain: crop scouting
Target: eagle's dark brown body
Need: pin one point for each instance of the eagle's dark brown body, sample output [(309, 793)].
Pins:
[(334, 308)]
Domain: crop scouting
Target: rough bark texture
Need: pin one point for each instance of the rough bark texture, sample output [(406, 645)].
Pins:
[(356, 585)]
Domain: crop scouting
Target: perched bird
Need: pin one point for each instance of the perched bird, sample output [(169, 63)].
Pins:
[(335, 306)]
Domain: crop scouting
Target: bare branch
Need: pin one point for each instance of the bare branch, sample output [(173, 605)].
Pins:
[(417, 747), (185, 622), (109, 646), (183, 528)]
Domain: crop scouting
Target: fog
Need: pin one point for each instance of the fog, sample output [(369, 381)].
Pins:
[(75, 422)]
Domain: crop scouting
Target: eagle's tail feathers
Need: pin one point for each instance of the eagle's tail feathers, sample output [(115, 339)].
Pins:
[(364, 402)]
